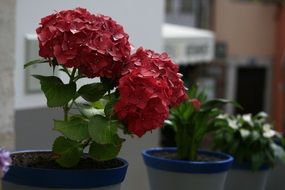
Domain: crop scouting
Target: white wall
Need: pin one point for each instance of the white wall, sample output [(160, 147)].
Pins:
[(7, 63), (142, 20)]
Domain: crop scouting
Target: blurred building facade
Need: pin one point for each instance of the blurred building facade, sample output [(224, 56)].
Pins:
[(245, 51)]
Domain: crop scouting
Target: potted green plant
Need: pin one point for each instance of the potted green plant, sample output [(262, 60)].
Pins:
[(252, 142), (132, 93), (187, 167)]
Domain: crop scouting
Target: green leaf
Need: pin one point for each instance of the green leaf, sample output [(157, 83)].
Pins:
[(99, 104), (103, 131), (108, 83), (76, 129), (193, 91), (257, 159), (69, 152), (57, 93), (109, 109), (35, 62), (217, 103), (88, 111), (279, 152), (92, 92), (104, 152)]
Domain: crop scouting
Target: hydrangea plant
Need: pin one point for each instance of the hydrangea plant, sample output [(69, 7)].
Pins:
[(133, 94), (192, 120), (250, 139)]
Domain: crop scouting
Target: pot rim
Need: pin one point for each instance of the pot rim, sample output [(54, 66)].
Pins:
[(185, 166), (125, 163)]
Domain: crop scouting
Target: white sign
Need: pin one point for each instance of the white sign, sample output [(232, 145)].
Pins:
[(188, 45)]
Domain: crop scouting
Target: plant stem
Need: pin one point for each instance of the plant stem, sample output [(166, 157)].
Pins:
[(186, 146), (65, 111), (67, 107)]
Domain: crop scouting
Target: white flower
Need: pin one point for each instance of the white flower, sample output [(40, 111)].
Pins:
[(268, 132), (262, 114), (244, 133), (247, 118), (222, 116), (233, 123)]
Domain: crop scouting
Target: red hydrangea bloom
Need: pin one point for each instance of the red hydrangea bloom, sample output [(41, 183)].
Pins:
[(143, 103), (95, 44), (149, 86), (161, 67)]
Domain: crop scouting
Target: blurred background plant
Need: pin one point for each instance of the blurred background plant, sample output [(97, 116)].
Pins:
[(192, 120), (250, 139)]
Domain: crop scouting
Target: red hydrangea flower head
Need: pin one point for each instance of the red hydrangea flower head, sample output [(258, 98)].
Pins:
[(143, 103), (162, 67), (95, 44), (149, 86)]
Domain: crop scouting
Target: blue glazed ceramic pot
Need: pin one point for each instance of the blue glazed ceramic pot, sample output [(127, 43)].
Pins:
[(21, 178)]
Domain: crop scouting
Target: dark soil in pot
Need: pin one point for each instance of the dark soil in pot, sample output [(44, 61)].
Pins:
[(46, 160), (173, 156)]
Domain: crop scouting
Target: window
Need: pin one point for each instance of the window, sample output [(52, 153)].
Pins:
[(168, 6), (186, 6)]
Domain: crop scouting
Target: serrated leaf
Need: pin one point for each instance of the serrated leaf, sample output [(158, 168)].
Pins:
[(103, 131), (69, 151), (75, 129), (38, 61), (104, 152), (92, 92), (57, 93)]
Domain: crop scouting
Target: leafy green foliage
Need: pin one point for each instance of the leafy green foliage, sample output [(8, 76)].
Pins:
[(192, 120), (249, 139), (69, 151), (94, 128), (88, 110), (75, 129), (103, 131), (103, 152), (93, 92), (57, 93)]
